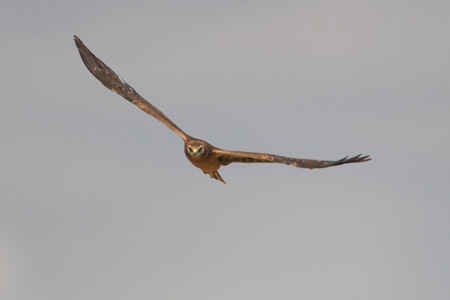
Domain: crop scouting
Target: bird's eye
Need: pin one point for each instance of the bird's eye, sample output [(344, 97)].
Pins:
[(200, 149), (190, 149)]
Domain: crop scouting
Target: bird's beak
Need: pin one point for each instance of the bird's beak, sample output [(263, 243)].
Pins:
[(195, 152)]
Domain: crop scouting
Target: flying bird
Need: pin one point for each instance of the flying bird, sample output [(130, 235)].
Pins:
[(200, 153)]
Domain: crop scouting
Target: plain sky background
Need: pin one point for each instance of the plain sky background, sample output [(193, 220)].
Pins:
[(99, 202)]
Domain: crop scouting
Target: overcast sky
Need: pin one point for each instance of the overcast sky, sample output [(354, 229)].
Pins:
[(97, 200)]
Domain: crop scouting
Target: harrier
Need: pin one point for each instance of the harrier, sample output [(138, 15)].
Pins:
[(200, 153)]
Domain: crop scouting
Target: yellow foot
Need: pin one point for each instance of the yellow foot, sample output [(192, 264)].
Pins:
[(215, 175)]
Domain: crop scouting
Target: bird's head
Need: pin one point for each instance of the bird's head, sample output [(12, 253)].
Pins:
[(197, 149)]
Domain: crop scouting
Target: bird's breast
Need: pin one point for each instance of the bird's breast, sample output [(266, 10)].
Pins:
[(207, 165)]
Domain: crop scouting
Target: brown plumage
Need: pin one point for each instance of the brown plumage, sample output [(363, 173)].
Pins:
[(200, 153)]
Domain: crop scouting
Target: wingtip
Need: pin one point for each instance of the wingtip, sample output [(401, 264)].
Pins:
[(360, 158), (76, 39), (366, 158), (355, 159), (78, 42)]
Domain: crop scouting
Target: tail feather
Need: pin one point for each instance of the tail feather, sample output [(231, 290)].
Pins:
[(216, 175)]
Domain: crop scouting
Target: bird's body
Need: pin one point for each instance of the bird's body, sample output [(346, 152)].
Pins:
[(200, 153)]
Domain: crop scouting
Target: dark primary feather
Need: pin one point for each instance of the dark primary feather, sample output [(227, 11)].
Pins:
[(113, 82)]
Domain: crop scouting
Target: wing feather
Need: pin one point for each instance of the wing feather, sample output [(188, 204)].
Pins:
[(115, 83), (227, 157)]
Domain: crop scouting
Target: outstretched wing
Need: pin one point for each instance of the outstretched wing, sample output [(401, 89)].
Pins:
[(113, 82), (227, 157)]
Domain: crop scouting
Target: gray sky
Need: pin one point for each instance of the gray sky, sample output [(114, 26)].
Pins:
[(99, 202)]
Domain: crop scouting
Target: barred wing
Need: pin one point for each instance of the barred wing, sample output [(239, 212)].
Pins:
[(113, 82), (227, 157)]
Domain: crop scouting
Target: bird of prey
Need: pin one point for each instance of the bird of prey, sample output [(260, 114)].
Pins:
[(200, 153)]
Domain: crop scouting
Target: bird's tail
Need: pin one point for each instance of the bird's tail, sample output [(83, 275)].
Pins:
[(216, 175)]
